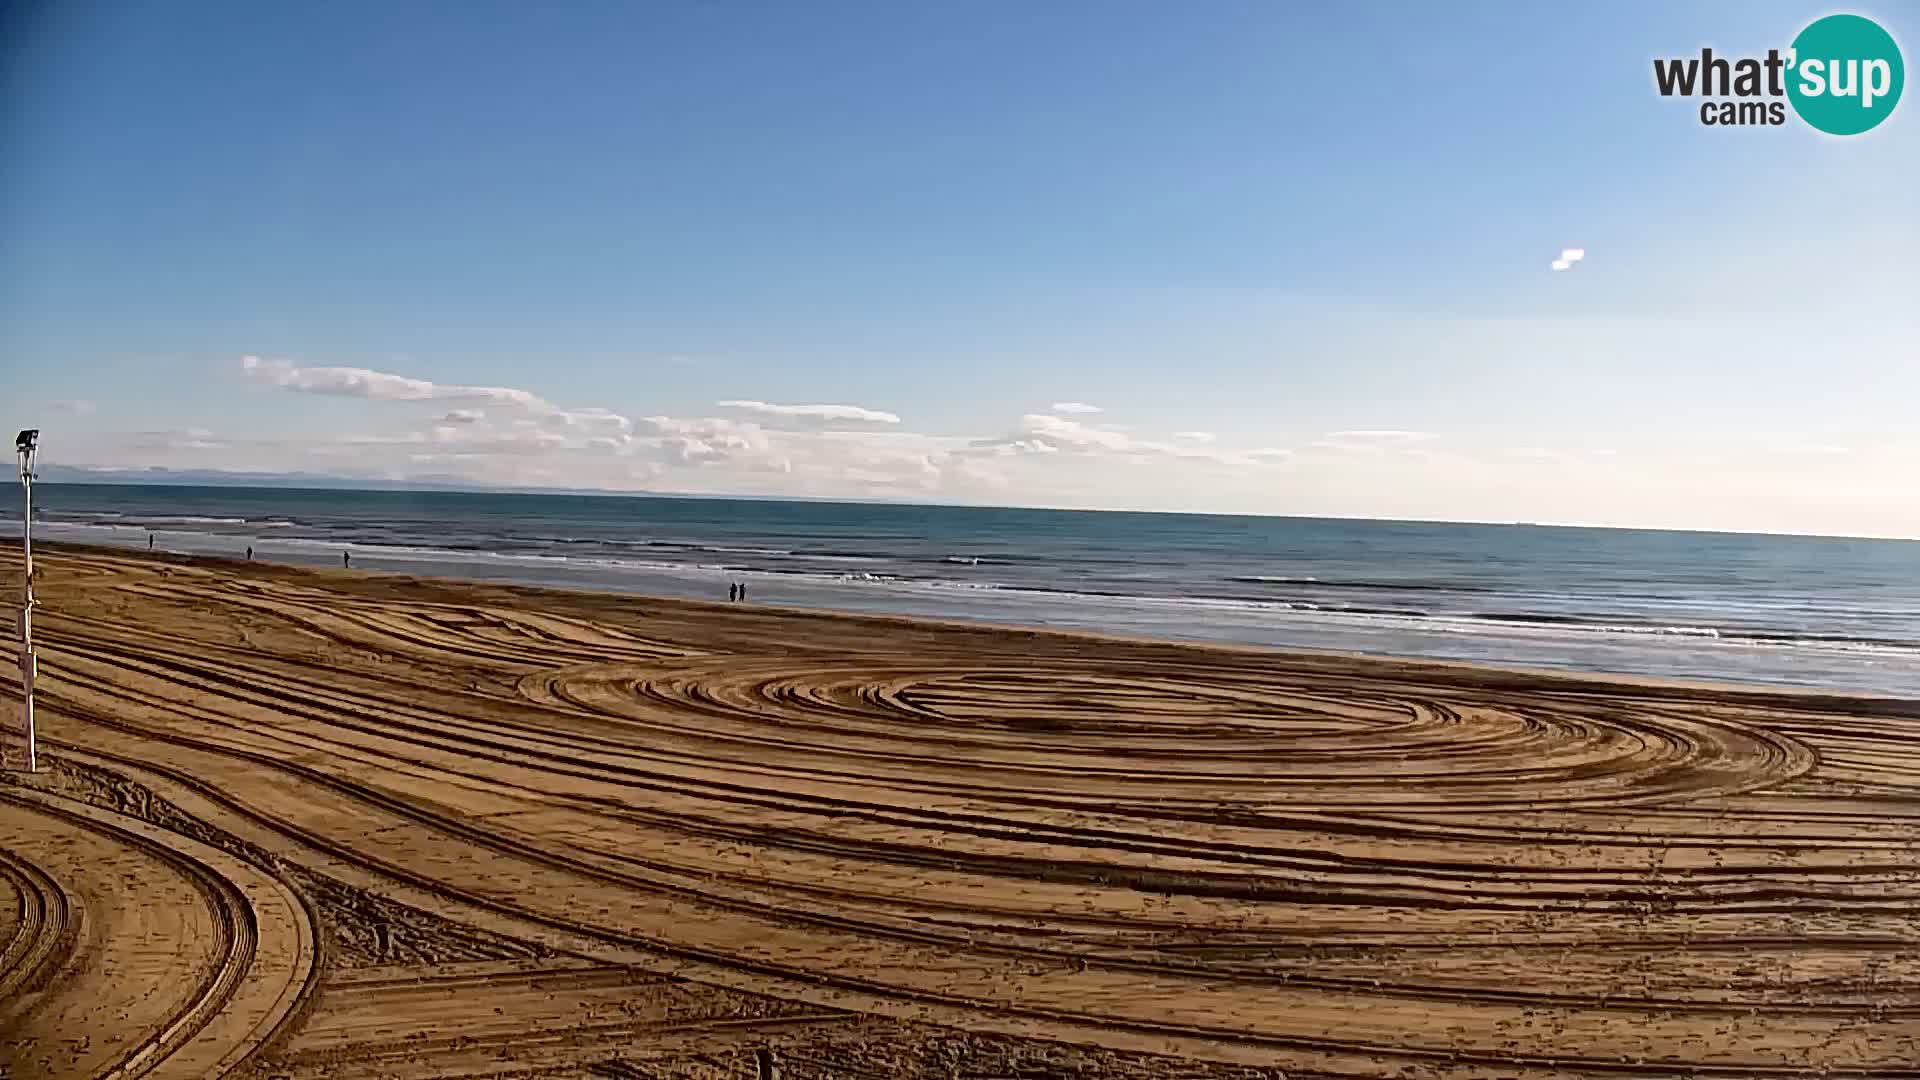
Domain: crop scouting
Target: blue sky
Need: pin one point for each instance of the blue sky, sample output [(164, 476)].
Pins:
[(1298, 258)]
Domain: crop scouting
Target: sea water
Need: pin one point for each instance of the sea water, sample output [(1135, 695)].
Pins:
[(1842, 614)]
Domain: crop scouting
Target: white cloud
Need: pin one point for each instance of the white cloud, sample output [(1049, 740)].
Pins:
[(1370, 444), (755, 447), (1039, 433), (1569, 256), (707, 441), (386, 386), (811, 415), (599, 421), (522, 438), (378, 385), (1561, 264), (1380, 436), (72, 407), (883, 462), (1043, 436), (179, 439), (514, 442)]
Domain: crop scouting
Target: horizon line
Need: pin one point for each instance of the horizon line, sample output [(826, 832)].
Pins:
[(163, 477)]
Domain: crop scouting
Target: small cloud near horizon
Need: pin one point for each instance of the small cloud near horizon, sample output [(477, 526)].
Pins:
[(814, 414), (1380, 435), (1075, 408), (1269, 455), (193, 438), (1370, 442)]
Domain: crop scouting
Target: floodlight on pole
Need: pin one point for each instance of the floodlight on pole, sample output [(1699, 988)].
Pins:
[(25, 444)]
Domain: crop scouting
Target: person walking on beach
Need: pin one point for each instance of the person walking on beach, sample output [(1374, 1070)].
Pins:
[(346, 560), (149, 541), (249, 553), (743, 590), (733, 592)]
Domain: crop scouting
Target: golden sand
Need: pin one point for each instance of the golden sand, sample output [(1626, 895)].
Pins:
[(319, 824)]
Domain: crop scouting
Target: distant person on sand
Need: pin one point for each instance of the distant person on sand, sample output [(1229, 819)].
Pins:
[(346, 559), (733, 593), (743, 590), (149, 541), (249, 554)]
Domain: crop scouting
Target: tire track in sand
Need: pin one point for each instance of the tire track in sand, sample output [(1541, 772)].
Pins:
[(1339, 867)]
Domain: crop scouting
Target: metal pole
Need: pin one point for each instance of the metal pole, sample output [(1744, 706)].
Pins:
[(27, 664)]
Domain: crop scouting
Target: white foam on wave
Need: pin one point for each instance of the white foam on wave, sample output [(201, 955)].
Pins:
[(1028, 604)]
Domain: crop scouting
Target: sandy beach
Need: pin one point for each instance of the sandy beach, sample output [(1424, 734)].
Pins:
[(319, 824)]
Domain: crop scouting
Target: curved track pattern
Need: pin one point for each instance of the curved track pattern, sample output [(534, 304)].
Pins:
[(672, 834), (192, 958), (1185, 735)]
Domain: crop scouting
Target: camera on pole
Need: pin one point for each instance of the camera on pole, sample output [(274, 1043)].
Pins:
[(25, 444)]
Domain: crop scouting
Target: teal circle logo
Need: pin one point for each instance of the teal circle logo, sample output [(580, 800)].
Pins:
[(1846, 75)]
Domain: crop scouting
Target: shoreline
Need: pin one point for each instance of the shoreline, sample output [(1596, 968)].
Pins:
[(1565, 679), (1793, 612)]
